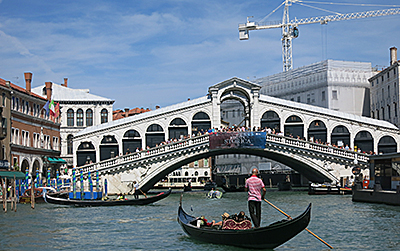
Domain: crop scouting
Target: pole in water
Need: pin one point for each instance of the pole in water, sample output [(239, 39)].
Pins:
[(305, 228)]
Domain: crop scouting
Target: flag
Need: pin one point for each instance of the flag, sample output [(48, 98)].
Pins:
[(52, 108), (57, 110), (46, 107)]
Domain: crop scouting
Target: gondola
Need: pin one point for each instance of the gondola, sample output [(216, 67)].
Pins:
[(101, 203), (268, 237)]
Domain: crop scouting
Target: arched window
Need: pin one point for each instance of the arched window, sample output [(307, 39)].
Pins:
[(89, 117), (70, 117), (104, 116), (69, 144), (79, 117)]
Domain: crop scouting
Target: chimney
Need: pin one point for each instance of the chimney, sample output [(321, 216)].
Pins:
[(393, 55), (126, 112), (66, 82), (28, 81), (48, 90)]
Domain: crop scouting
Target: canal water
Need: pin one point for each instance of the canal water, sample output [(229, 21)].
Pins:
[(344, 224)]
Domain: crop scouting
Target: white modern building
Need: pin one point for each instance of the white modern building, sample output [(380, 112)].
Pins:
[(385, 92), (336, 85), (79, 109)]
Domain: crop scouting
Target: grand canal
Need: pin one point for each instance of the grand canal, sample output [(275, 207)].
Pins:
[(344, 224)]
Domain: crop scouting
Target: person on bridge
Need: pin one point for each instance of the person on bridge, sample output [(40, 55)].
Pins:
[(253, 186)]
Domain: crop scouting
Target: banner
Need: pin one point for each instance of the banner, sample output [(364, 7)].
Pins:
[(237, 140)]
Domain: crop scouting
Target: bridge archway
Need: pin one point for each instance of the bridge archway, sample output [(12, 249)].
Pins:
[(131, 141), (154, 135), (85, 153), (317, 131), (364, 141), (177, 128), (200, 123), (387, 144), (294, 127), (270, 119), (234, 107), (108, 147), (340, 136)]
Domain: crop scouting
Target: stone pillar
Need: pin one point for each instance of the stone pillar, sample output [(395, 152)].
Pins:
[(255, 107), (216, 108)]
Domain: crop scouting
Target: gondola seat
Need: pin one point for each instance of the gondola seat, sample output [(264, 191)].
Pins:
[(231, 224)]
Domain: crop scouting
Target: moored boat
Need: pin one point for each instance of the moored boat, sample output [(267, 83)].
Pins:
[(97, 203), (267, 237)]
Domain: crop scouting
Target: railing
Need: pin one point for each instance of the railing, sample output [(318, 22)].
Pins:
[(199, 140)]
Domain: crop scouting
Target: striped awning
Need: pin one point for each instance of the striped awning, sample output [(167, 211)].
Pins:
[(12, 174), (56, 160)]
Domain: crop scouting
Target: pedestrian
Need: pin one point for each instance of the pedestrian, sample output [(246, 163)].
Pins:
[(253, 186)]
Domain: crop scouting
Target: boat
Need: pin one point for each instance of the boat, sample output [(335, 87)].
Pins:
[(267, 237), (25, 198), (326, 188), (97, 203), (210, 185), (214, 194)]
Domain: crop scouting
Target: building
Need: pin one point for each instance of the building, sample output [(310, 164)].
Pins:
[(79, 109), (336, 85), (5, 112), (34, 137), (120, 114), (385, 92)]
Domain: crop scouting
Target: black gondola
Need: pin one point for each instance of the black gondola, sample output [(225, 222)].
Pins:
[(268, 237), (98, 203)]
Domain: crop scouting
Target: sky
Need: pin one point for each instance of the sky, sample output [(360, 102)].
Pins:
[(145, 53)]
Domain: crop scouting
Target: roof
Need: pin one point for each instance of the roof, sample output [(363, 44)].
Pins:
[(62, 93), (120, 114), (12, 174), (20, 89)]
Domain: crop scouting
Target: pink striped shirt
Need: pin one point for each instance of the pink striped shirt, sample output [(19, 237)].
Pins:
[(254, 186)]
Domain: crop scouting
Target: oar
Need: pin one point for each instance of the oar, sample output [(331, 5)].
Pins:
[(306, 228), (142, 193)]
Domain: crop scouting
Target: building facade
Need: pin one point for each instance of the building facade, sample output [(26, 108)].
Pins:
[(34, 136), (79, 109), (385, 92), (336, 85)]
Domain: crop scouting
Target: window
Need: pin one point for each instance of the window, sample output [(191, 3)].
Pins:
[(70, 117), (17, 104), (55, 143), (69, 144), (205, 163), (323, 95), (104, 116), (4, 99), (395, 109), (89, 117), (27, 107), (298, 99), (79, 117), (383, 113), (23, 105), (388, 107), (334, 94)]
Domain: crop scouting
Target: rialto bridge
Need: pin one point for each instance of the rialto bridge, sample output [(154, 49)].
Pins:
[(104, 147)]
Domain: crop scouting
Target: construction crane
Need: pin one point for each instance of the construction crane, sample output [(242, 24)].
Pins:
[(290, 27)]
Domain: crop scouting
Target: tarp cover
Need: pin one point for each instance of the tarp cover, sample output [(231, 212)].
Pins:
[(238, 140)]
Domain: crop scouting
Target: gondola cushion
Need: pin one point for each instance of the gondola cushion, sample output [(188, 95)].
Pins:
[(231, 224)]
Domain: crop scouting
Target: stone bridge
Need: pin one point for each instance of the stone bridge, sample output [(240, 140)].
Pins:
[(316, 162)]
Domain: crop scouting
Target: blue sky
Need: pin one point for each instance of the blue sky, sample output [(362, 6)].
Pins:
[(145, 53)]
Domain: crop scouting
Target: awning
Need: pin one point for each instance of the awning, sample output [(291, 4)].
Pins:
[(11, 174), (56, 160)]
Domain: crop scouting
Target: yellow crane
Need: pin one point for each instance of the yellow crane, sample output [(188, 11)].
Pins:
[(290, 27)]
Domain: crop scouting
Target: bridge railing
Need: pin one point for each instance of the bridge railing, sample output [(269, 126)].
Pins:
[(318, 147), (123, 159)]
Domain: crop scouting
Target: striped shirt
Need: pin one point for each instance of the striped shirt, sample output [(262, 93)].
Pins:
[(254, 186)]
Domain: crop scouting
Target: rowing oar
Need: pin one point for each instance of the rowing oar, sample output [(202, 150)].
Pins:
[(305, 228), (142, 193)]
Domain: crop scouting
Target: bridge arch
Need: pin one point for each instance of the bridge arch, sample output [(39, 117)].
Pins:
[(294, 126), (317, 131), (200, 122), (364, 141), (131, 141), (109, 147), (154, 135), (387, 144), (86, 152), (177, 127), (340, 136), (270, 119)]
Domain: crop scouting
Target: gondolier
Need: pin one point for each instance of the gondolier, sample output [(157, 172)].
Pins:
[(253, 186)]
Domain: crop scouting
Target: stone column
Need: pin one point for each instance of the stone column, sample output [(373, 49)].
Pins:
[(255, 107), (216, 108)]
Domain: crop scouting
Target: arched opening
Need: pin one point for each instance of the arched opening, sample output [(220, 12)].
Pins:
[(85, 154), (69, 144), (108, 147), (79, 117), (294, 127), (387, 145), (104, 116), (200, 123), (25, 165), (364, 141), (340, 136), (317, 131), (177, 128), (154, 135), (270, 119), (70, 117), (131, 141), (232, 113), (89, 117)]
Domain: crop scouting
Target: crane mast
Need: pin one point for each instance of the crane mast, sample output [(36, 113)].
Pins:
[(290, 30)]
